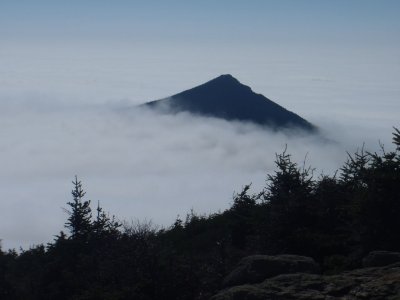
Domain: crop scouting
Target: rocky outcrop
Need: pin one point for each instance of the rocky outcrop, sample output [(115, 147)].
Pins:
[(374, 283), (256, 268), (381, 258)]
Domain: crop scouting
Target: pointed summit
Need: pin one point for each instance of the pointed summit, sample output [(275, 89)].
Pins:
[(225, 97), (224, 84), (225, 78)]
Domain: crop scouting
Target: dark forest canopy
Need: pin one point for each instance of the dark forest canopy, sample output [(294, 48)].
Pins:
[(334, 219)]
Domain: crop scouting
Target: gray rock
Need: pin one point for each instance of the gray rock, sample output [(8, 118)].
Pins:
[(381, 258), (256, 268), (380, 283)]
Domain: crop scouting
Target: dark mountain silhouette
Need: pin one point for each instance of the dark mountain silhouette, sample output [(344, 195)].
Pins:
[(225, 97)]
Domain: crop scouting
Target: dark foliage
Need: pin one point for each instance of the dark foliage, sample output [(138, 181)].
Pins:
[(335, 219), (80, 214)]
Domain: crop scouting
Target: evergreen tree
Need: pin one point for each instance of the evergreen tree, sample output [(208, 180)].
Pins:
[(80, 213), (103, 224), (242, 217), (396, 138), (289, 201)]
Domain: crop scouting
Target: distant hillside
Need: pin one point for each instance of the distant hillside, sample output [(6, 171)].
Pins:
[(225, 97)]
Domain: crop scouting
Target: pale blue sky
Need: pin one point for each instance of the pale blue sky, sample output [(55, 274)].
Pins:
[(301, 21)]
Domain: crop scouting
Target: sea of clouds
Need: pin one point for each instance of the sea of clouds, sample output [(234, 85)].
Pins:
[(71, 111), (139, 164)]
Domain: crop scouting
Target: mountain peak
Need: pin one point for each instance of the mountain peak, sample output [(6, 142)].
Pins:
[(225, 97), (224, 80), (226, 77), (219, 89)]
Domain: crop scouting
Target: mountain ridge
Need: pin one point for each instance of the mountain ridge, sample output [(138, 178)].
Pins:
[(225, 97)]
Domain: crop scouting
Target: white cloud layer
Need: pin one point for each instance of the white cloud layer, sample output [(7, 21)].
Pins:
[(54, 124), (138, 164)]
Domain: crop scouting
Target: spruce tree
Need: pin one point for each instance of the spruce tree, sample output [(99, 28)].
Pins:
[(104, 225), (396, 138), (80, 214)]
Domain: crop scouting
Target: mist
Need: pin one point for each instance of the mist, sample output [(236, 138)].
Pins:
[(67, 109), (139, 164)]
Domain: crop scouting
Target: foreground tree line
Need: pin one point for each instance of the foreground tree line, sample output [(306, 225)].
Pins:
[(334, 219)]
